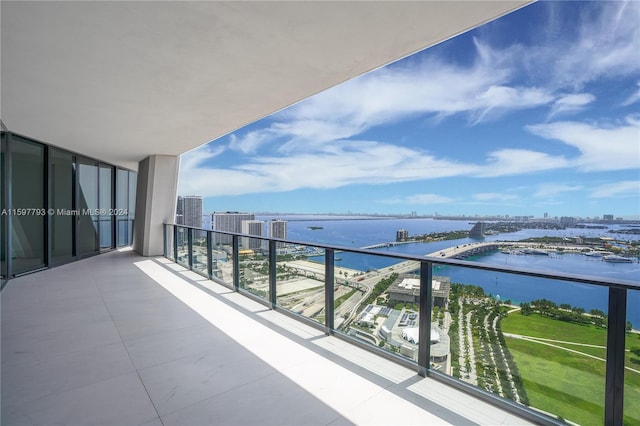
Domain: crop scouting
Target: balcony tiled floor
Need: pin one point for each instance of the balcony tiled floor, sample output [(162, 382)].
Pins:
[(120, 339)]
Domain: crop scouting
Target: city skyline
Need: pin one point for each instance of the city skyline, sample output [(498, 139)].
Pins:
[(535, 112)]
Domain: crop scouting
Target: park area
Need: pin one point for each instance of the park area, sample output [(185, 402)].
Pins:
[(562, 367)]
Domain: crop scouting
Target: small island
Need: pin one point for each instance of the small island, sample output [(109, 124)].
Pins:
[(314, 228)]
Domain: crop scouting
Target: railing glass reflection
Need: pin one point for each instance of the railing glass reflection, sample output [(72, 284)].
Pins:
[(168, 242), (199, 251), (378, 303), (182, 241), (300, 283), (537, 353), (253, 261), (222, 256)]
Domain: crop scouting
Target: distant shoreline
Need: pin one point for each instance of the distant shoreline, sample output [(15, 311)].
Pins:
[(357, 216)]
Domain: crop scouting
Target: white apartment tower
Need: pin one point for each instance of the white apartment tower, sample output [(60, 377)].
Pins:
[(278, 229), (252, 227), (228, 222)]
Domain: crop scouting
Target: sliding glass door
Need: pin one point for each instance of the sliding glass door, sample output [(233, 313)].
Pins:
[(63, 215), (28, 211), (88, 203)]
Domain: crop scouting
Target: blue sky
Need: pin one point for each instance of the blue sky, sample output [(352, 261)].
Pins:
[(536, 112)]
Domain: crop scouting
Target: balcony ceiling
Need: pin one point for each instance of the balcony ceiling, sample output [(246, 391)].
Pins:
[(121, 80)]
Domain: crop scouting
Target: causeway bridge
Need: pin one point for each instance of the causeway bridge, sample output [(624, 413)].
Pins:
[(466, 250), (389, 244), (457, 252)]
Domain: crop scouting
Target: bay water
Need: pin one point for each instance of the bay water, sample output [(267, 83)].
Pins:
[(360, 232)]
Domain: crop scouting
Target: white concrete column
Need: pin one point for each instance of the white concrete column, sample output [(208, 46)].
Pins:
[(155, 202)]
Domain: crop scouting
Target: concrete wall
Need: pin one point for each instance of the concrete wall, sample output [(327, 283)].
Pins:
[(155, 202)]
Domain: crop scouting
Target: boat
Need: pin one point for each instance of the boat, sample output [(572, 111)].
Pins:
[(594, 254), (512, 252), (617, 259), (536, 252)]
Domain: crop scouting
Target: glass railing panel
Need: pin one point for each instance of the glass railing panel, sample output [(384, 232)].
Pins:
[(183, 246), (539, 342), (253, 259), (199, 251), (632, 361), (377, 301), (168, 238), (300, 282), (222, 259)]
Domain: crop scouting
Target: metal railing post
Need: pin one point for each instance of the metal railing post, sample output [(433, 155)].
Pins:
[(425, 308), (236, 262), (273, 297), (616, 333), (175, 243), (329, 295), (164, 239), (209, 255), (190, 248)]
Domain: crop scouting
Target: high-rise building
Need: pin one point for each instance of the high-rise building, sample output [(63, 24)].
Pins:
[(278, 229), (193, 211), (402, 235), (607, 217), (252, 227), (228, 222), (180, 210), (189, 210)]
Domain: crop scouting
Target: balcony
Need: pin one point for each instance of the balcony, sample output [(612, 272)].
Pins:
[(123, 339), (120, 339)]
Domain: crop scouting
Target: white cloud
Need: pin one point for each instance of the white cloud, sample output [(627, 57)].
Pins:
[(388, 95), (519, 161), (553, 190), (348, 162), (494, 196), (430, 87), (601, 147), (634, 97), (196, 157), (571, 103), (629, 188), (606, 44), (419, 199), (339, 164), (252, 141)]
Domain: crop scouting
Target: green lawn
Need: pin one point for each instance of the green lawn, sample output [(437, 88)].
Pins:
[(565, 383), (536, 325)]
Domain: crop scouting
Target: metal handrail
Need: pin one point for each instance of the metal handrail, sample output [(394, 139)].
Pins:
[(616, 327), (583, 279)]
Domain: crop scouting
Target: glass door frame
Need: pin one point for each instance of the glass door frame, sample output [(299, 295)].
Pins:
[(110, 209)]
